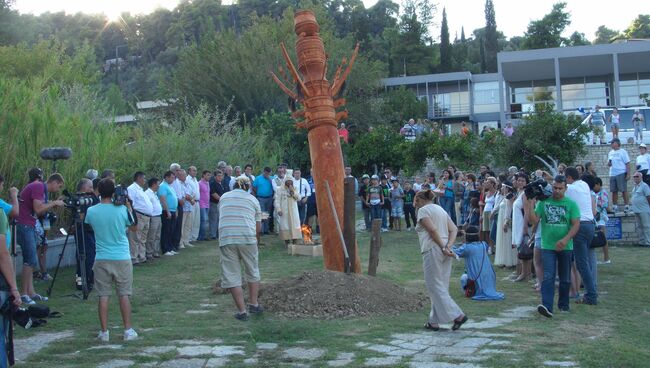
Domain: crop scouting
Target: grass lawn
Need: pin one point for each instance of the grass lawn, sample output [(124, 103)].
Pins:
[(616, 333)]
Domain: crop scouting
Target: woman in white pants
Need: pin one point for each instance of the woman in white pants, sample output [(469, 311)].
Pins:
[(437, 233)]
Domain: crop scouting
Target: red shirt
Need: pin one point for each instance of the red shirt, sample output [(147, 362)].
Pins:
[(343, 133), (32, 191)]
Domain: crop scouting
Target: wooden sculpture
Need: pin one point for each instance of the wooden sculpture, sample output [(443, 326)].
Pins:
[(320, 100)]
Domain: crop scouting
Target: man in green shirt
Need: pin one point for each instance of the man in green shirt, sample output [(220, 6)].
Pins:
[(559, 218)]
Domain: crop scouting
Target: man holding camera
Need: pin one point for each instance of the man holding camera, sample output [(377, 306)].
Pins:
[(33, 205), (559, 218), (113, 257), (85, 186), (143, 210)]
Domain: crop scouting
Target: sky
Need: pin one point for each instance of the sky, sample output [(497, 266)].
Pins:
[(512, 16)]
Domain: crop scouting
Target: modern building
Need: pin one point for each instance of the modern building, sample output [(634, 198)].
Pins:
[(572, 78)]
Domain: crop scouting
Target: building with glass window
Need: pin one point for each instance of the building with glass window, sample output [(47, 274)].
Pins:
[(571, 78)]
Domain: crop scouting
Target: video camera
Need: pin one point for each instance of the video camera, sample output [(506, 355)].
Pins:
[(121, 196), (77, 201), (538, 189)]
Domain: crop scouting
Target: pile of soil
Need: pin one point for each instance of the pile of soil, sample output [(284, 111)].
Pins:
[(329, 294)]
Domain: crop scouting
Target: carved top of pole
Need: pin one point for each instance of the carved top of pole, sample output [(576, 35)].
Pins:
[(313, 91), (304, 22)]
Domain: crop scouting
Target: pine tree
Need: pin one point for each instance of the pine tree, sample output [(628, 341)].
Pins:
[(462, 35), (490, 41), (445, 46)]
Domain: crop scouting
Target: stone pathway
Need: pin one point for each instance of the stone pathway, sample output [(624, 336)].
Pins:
[(465, 348)]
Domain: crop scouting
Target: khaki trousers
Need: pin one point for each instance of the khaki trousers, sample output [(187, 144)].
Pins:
[(153, 237), (188, 221), (138, 239), (437, 271)]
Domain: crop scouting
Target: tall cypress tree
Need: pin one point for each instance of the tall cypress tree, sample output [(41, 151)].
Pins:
[(491, 43), (462, 34), (445, 45)]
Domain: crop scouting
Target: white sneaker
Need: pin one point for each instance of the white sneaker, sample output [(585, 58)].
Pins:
[(181, 246), (174, 252), (130, 335), (169, 254), (103, 336), (614, 208)]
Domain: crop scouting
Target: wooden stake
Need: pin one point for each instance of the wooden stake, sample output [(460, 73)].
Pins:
[(375, 246), (349, 219)]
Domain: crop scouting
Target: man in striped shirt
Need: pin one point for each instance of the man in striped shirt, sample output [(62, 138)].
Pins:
[(240, 221)]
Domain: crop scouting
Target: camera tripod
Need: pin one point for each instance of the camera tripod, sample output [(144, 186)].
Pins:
[(78, 227)]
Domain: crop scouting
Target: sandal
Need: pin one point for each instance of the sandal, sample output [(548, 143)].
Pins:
[(457, 323), (429, 326)]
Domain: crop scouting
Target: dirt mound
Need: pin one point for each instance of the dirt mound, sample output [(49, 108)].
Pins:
[(328, 294)]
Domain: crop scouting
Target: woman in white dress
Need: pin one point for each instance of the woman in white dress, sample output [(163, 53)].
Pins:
[(286, 206), (520, 228), (505, 255)]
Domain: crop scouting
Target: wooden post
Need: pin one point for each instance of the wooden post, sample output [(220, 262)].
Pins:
[(375, 245), (349, 226)]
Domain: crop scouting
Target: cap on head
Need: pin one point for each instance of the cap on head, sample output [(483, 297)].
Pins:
[(375, 177), (365, 176), (642, 145)]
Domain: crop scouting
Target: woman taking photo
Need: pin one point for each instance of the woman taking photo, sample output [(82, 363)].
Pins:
[(448, 198), (437, 233), (489, 195)]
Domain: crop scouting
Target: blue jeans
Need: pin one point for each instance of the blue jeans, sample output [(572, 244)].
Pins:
[(366, 217), (553, 261), (27, 238), (266, 204), (213, 220), (204, 230), (581, 243), (447, 203), (385, 213)]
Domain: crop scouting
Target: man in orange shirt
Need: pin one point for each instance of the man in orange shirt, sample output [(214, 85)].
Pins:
[(343, 133)]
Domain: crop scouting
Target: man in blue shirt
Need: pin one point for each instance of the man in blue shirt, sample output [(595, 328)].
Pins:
[(263, 190), (169, 204), (112, 257)]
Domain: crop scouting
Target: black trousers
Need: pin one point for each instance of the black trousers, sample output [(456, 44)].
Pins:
[(167, 232), (409, 213), (178, 229), (88, 251)]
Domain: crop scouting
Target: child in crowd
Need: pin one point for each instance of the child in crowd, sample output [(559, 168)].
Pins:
[(474, 214), (397, 205), (386, 209), (375, 198), (409, 209), (602, 201)]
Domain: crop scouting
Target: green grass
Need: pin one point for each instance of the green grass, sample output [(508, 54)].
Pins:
[(613, 334)]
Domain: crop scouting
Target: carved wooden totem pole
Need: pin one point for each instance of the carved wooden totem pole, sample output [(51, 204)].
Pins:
[(320, 117)]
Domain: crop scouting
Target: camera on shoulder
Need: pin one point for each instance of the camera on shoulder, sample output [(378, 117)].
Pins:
[(539, 189)]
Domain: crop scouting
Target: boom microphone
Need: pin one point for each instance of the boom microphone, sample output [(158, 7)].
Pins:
[(56, 153)]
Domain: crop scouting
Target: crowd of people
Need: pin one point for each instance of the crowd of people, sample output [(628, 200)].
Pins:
[(537, 236)]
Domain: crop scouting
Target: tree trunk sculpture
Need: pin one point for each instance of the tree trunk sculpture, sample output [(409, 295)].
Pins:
[(319, 116)]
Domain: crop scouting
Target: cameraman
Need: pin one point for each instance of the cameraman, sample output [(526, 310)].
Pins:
[(7, 285), (85, 186), (559, 219), (113, 258), (33, 205)]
